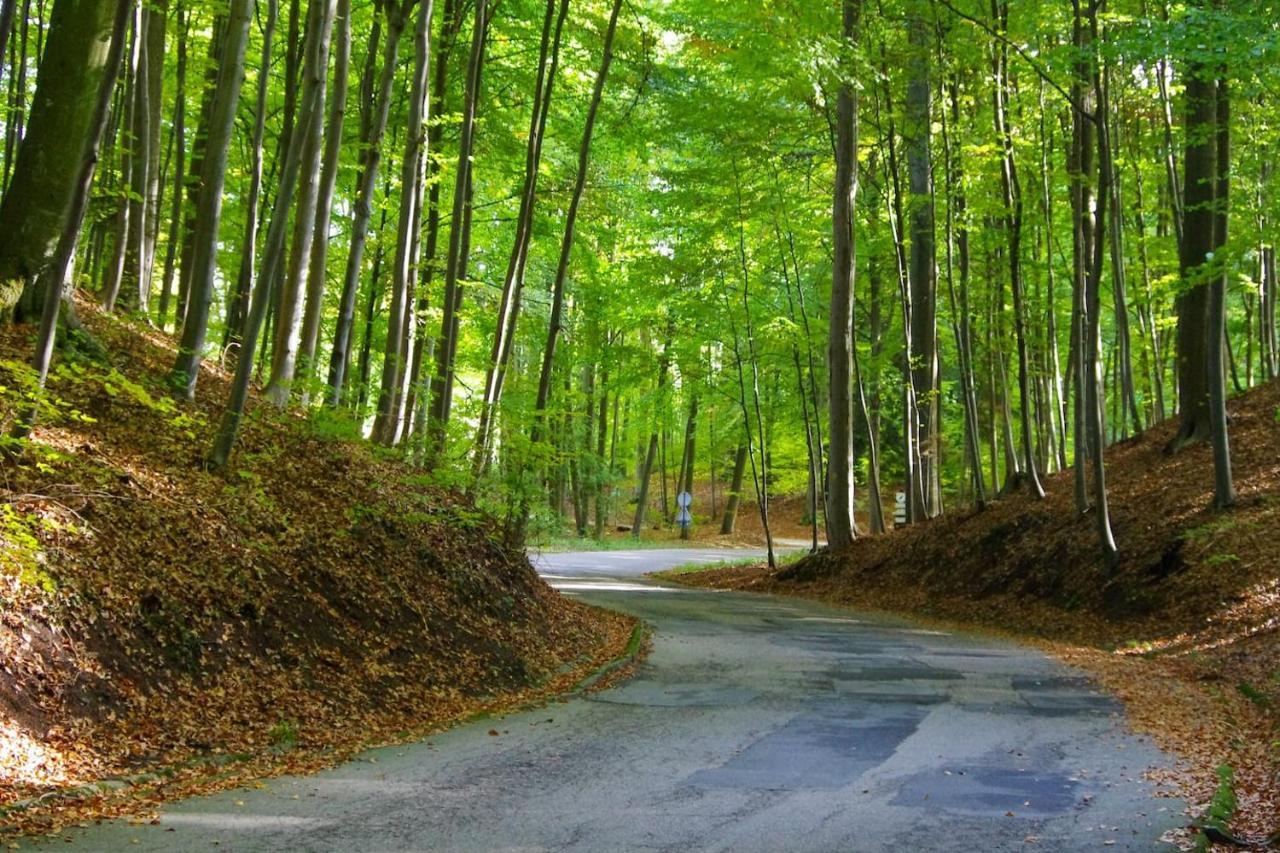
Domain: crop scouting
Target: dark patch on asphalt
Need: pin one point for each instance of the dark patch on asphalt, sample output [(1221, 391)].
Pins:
[(990, 791), (898, 673), (823, 749), (662, 695), (1062, 696)]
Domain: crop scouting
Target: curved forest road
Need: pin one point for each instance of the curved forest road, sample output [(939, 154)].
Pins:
[(757, 723)]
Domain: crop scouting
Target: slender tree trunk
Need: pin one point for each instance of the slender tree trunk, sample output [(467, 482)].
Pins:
[(376, 128), (956, 210), (317, 272), (387, 424), (1013, 230), (456, 262), (179, 179), (925, 372), (1224, 494), (186, 368), (566, 250), (272, 256), (284, 361), (513, 282), (249, 241), (841, 461), (196, 166)]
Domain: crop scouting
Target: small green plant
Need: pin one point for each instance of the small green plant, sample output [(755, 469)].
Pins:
[(284, 734), (1254, 695), (329, 424), (1221, 559), (1222, 807)]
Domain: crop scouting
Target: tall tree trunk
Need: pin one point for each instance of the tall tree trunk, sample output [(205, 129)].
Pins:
[(236, 304), (841, 461), (134, 280), (196, 166), (272, 261), (49, 162), (179, 179), (1093, 227), (1194, 340), (186, 368), (375, 130), (459, 239), (53, 276), (386, 426), (925, 375), (957, 231), (284, 361), (1013, 230), (566, 251), (317, 272), (1224, 494), (513, 282)]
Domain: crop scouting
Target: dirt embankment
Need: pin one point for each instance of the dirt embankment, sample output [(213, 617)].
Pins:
[(317, 596), (1186, 628)]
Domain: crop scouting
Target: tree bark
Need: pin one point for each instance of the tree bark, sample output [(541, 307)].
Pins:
[(396, 16), (459, 240), (566, 251), (386, 426), (317, 272), (186, 368), (53, 276), (284, 361), (49, 162), (252, 217), (841, 461)]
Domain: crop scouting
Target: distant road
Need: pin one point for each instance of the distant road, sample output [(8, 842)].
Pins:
[(757, 723)]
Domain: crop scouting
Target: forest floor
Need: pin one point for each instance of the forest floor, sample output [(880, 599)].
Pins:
[(1185, 629), (172, 630)]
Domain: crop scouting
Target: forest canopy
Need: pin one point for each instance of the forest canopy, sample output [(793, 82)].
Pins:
[(548, 250)]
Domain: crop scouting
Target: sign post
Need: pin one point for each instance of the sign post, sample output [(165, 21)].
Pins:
[(684, 518)]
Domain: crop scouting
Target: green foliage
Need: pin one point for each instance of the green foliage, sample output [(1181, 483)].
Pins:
[(1222, 807), (1254, 695), (283, 734)]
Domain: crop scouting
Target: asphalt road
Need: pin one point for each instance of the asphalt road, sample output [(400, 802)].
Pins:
[(756, 724)]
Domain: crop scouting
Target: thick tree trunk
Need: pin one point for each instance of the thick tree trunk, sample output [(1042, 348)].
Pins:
[(1194, 340), (49, 162), (54, 274)]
